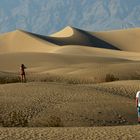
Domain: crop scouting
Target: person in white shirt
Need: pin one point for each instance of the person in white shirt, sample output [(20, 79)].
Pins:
[(138, 105)]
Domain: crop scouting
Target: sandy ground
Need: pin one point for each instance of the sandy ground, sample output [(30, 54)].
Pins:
[(52, 104), (78, 133)]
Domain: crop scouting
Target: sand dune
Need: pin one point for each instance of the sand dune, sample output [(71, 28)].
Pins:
[(21, 41), (74, 36), (126, 40)]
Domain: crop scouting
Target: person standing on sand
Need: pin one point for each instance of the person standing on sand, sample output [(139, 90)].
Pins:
[(22, 73), (138, 105)]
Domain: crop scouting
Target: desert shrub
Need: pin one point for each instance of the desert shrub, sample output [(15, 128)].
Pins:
[(9, 79), (15, 118), (35, 77), (135, 76), (72, 81), (53, 78), (59, 78), (79, 81), (45, 78), (46, 121), (110, 78)]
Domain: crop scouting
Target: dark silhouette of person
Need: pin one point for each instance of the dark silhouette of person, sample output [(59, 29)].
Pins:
[(22, 73)]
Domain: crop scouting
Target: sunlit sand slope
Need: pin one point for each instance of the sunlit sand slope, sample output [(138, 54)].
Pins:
[(126, 40), (94, 68), (21, 41), (93, 51)]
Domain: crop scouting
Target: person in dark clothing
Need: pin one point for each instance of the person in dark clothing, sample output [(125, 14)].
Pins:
[(22, 73)]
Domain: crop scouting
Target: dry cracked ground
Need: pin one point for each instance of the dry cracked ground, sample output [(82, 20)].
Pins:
[(43, 110)]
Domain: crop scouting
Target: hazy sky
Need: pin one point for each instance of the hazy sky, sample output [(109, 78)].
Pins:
[(47, 16)]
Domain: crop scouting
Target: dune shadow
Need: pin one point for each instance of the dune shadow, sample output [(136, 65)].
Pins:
[(79, 37)]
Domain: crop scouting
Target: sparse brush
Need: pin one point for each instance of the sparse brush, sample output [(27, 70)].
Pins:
[(35, 77), (9, 78), (110, 78), (60, 79), (16, 118), (46, 121)]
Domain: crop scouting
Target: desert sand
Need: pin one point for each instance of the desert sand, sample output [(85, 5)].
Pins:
[(81, 83), (77, 133)]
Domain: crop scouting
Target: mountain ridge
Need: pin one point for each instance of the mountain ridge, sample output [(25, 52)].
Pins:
[(46, 17)]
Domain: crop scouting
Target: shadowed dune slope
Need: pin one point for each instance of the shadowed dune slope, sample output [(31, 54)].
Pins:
[(126, 40), (74, 36)]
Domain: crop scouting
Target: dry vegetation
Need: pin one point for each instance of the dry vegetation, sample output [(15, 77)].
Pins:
[(58, 78), (110, 78)]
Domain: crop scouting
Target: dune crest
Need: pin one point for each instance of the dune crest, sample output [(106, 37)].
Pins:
[(66, 32)]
